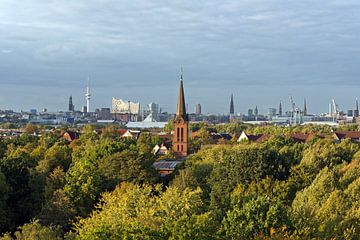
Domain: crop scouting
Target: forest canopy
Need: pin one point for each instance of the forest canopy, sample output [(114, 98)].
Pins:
[(104, 186)]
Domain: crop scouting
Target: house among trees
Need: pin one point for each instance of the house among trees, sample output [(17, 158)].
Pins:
[(132, 134), (220, 137), (162, 149), (302, 137), (166, 167), (253, 138), (70, 135), (353, 135)]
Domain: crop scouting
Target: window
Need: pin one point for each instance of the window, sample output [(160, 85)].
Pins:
[(182, 134), (178, 134), (182, 147)]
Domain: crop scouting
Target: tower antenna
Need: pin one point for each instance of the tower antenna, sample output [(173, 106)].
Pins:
[(88, 95)]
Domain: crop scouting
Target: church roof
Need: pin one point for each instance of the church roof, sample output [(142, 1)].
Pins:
[(181, 108)]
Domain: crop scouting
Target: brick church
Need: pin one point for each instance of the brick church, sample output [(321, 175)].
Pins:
[(181, 125)]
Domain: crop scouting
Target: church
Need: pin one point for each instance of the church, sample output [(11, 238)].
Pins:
[(181, 125)]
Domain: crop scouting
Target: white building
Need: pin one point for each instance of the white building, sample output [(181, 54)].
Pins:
[(120, 106)]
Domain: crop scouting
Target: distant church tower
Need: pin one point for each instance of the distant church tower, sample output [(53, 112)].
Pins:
[(181, 125), (232, 111), (280, 109), (71, 105)]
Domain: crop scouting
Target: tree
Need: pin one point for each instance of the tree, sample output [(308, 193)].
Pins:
[(255, 216), (134, 212), (56, 156), (4, 193), (35, 231)]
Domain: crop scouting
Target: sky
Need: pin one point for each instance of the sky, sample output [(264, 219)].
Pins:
[(262, 51)]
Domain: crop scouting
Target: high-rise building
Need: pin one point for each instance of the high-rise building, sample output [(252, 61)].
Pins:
[(356, 111), (105, 114), (84, 109), (198, 109), (153, 108), (232, 111), (71, 105), (181, 125)]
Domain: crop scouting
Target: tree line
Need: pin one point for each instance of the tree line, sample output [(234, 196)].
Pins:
[(102, 186)]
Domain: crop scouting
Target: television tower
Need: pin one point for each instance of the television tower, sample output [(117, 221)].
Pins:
[(88, 95)]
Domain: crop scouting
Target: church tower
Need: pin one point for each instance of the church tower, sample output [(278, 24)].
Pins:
[(71, 105), (232, 110), (181, 125)]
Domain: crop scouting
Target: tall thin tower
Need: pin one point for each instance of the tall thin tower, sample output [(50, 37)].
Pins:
[(71, 105), (232, 110), (305, 108), (356, 111), (88, 95), (280, 109)]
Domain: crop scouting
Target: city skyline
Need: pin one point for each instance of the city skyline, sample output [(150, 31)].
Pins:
[(261, 51)]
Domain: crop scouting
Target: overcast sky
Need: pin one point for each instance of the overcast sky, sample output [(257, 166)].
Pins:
[(262, 51)]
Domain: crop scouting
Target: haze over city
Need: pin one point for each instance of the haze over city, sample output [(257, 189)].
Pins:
[(261, 51)]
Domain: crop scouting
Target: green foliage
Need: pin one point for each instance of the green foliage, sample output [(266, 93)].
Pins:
[(329, 208), (134, 212), (255, 216), (35, 231), (4, 194), (56, 156), (276, 189)]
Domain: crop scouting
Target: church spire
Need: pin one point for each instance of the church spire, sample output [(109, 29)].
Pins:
[(181, 125), (232, 105), (280, 109), (181, 107), (305, 108)]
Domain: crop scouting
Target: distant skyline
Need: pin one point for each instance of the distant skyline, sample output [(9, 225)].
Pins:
[(262, 51)]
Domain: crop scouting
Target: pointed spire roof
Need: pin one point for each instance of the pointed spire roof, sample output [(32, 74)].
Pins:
[(181, 107), (280, 109), (232, 104), (357, 104), (305, 108)]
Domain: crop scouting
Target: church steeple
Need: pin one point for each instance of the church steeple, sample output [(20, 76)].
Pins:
[(181, 125), (280, 109), (71, 105), (181, 107), (232, 111)]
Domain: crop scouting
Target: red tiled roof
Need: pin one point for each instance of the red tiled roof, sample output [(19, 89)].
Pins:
[(121, 131), (347, 134)]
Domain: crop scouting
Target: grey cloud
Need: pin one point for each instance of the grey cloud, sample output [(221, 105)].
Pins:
[(224, 45)]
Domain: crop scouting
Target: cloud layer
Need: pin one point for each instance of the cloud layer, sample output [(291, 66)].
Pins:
[(262, 51)]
